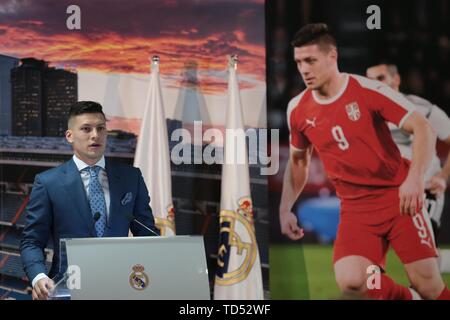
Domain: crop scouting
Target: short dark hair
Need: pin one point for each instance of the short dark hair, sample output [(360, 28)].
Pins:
[(82, 107), (314, 33)]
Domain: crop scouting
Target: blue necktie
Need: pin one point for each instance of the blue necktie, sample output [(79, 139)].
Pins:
[(97, 200)]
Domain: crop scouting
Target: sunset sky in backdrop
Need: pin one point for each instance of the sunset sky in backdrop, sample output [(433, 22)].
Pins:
[(120, 37)]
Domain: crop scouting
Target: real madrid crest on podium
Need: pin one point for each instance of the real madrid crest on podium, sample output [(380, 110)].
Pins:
[(138, 278)]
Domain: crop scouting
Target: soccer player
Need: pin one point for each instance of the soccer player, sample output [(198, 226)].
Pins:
[(343, 117), (435, 177)]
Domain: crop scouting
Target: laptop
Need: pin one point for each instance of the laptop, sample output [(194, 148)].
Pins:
[(137, 268)]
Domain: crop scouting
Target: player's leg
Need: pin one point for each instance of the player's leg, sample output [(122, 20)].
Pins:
[(435, 207), (425, 277), (413, 241), (351, 274), (359, 249), (354, 278)]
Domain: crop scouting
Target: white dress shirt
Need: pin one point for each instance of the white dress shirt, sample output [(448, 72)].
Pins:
[(103, 178)]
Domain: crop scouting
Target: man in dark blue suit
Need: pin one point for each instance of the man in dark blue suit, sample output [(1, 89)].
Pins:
[(88, 196)]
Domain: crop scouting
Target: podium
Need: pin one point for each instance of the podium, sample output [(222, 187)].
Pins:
[(137, 268)]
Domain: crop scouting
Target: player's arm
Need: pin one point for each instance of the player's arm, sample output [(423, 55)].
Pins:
[(394, 107), (441, 123), (445, 172), (294, 180), (438, 183), (424, 141)]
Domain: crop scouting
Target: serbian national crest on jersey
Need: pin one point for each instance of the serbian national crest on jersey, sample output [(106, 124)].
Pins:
[(353, 111)]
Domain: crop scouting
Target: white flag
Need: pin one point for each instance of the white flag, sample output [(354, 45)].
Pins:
[(238, 273), (152, 155)]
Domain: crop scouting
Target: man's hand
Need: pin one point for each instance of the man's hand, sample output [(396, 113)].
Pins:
[(289, 226), (437, 184), (41, 289), (411, 195)]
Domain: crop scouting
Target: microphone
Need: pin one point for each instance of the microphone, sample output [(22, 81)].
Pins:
[(96, 217), (131, 218)]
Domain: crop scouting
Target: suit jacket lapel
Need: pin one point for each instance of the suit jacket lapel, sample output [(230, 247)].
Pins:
[(75, 188), (114, 192)]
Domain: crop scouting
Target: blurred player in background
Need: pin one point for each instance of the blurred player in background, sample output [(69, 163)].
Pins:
[(344, 118), (436, 178)]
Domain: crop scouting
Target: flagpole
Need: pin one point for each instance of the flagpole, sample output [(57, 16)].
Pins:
[(155, 64), (152, 154), (233, 61), (238, 272)]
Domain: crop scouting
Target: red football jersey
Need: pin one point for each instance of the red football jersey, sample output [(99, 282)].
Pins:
[(350, 134)]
